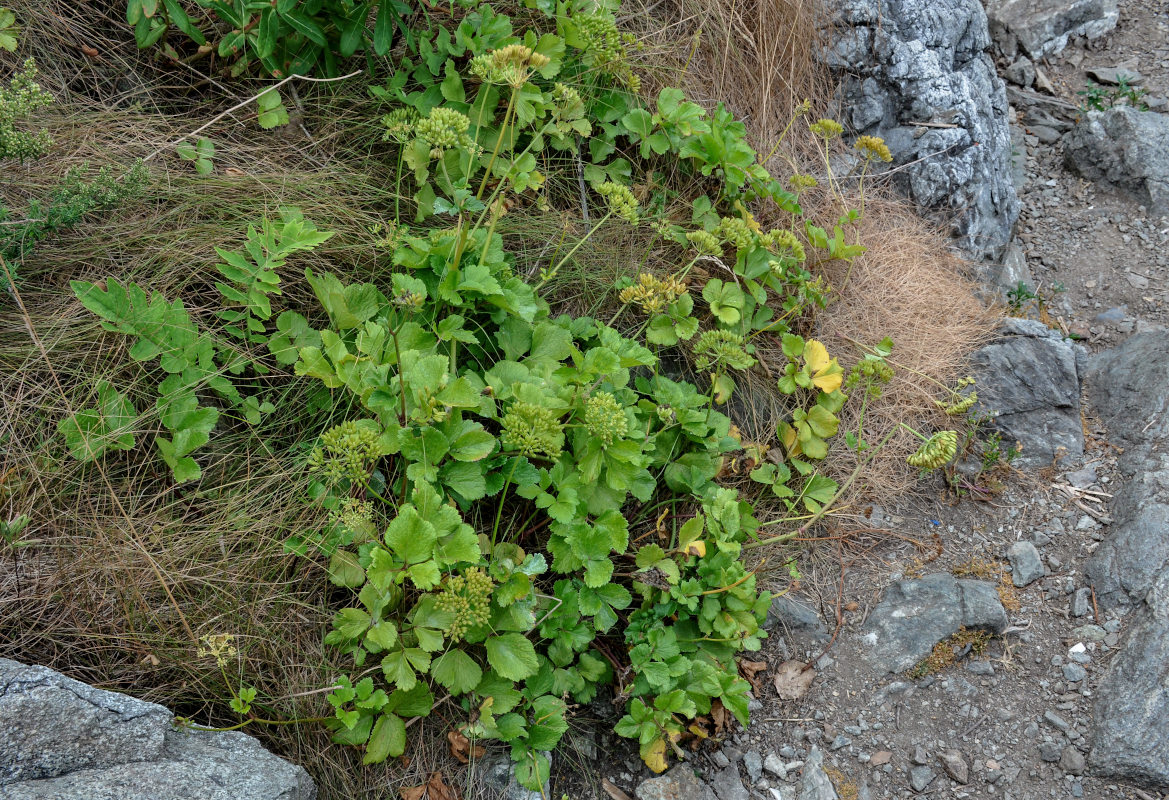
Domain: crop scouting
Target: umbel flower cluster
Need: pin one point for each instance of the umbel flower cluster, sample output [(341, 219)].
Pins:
[(347, 451), (605, 418), (468, 598), (621, 201), (607, 47), (718, 349), (533, 430), (653, 294), (509, 66), (445, 129), (937, 451), (354, 515), (21, 97), (871, 371)]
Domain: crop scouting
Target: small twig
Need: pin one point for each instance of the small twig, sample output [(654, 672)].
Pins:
[(1095, 607), (240, 105), (970, 729)]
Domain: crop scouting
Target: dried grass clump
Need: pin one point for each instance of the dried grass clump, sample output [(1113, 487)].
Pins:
[(907, 287)]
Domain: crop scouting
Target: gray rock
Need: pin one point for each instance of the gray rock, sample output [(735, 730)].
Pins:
[(1020, 72), (955, 765), (1129, 387), (1131, 741), (903, 62), (1049, 751), (720, 759), (1029, 383), (1112, 76), (814, 782), (1045, 134), (920, 777), (1074, 673), (51, 725), (680, 783), (914, 615), (1126, 148), (63, 740), (1082, 478), (775, 766), (794, 616), (1026, 566), (1043, 27), (1072, 761), (193, 765), (754, 766), (727, 785)]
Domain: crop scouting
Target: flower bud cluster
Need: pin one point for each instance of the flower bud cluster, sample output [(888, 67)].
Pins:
[(735, 231), (605, 418), (937, 451), (873, 147), (347, 451), (716, 349), (705, 242), (533, 430), (468, 598), (653, 294), (620, 199), (354, 515), (21, 97), (784, 243), (445, 129)]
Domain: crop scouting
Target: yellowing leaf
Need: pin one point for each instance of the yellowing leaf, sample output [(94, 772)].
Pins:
[(789, 437), (696, 549), (655, 756), (827, 375)]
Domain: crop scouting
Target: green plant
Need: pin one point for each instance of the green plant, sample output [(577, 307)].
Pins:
[(192, 360), (10, 532), (22, 96), (526, 506), (1101, 98), (72, 200), (9, 30), (285, 37), (201, 154)]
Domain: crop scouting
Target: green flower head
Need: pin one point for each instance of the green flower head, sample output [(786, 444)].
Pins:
[(605, 418), (719, 348), (936, 452), (444, 128), (533, 430), (706, 243), (468, 598), (347, 451), (621, 201)]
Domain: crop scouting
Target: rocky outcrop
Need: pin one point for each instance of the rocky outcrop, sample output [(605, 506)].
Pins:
[(1042, 27), (917, 73), (1028, 382), (914, 615), (1130, 392), (63, 740), (1126, 148)]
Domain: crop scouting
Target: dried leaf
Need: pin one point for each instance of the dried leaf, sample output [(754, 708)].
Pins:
[(718, 715), (792, 681), (461, 747), (613, 791), (433, 789), (751, 670)]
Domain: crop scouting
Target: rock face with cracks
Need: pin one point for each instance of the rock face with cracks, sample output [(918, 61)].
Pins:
[(63, 740), (1042, 27), (916, 72)]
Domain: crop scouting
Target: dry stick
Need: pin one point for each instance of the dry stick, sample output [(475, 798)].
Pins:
[(238, 106), (105, 478)]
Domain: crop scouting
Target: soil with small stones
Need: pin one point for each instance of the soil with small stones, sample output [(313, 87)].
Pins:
[(1018, 715)]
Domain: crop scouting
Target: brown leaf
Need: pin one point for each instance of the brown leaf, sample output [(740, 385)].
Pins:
[(792, 681), (613, 791), (234, 172), (751, 670), (433, 789), (461, 747), (718, 715)]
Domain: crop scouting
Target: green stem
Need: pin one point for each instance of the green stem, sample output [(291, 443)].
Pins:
[(575, 247), (502, 497), (498, 144)]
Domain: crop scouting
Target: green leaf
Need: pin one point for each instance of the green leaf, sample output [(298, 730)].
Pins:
[(388, 739), (306, 26), (344, 570), (512, 656), (456, 671), (92, 431), (410, 537), (271, 112), (383, 28)]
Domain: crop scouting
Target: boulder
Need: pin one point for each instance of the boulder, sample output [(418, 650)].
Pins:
[(1131, 741), (917, 73), (1042, 27), (1129, 389), (63, 740), (916, 614), (1028, 382), (1126, 148)]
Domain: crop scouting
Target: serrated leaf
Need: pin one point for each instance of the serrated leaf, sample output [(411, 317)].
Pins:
[(388, 739), (512, 656), (456, 671)]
